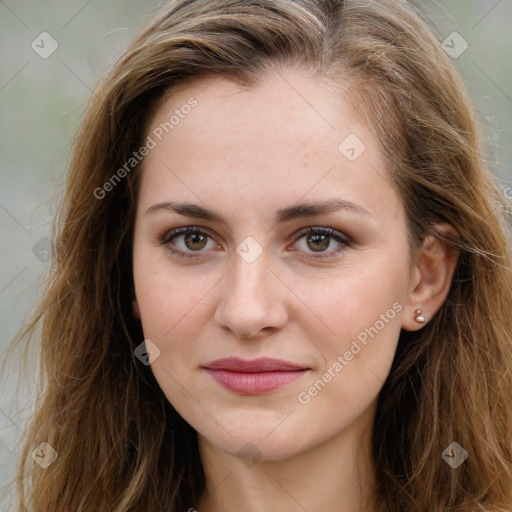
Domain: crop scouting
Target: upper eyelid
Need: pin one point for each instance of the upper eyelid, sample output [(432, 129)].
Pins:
[(329, 231), (171, 233)]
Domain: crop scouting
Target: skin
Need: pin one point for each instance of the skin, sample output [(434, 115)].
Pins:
[(247, 153)]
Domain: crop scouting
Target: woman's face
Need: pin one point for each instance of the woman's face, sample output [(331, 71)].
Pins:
[(257, 168)]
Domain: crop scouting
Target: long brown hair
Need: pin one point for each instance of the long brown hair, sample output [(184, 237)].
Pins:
[(121, 446)]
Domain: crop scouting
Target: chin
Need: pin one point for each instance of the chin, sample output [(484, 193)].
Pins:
[(251, 446)]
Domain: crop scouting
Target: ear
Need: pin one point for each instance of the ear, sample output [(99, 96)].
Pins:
[(431, 278), (135, 308)]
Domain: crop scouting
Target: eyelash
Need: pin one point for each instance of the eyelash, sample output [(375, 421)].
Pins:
[(336, 235)]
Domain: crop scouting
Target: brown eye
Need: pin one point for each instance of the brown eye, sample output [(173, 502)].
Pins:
[(195, 241), (318, 242), (186, 241)]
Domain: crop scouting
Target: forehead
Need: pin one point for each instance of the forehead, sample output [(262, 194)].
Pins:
[(285, 138), (284, 110)]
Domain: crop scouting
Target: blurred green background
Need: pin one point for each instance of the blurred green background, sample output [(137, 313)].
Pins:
[(43, 99)]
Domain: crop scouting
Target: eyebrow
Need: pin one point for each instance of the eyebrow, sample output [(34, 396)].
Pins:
[(283, 215)]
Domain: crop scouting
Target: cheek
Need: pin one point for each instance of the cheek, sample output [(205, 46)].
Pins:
[(169, 301), (363, 313), (347, 303), (175, 305), (356, 324)]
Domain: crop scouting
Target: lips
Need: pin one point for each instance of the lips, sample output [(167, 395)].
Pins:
[(256, 376)]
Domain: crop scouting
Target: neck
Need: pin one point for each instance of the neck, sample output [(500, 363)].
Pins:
[(333, 477)]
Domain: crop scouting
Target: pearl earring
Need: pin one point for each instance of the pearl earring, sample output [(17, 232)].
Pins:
[(418, 316)]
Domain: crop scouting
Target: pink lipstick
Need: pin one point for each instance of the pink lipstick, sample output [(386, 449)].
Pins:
[(256, 376)]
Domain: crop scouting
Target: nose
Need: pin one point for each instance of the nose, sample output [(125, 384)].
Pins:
[(253, 299)]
